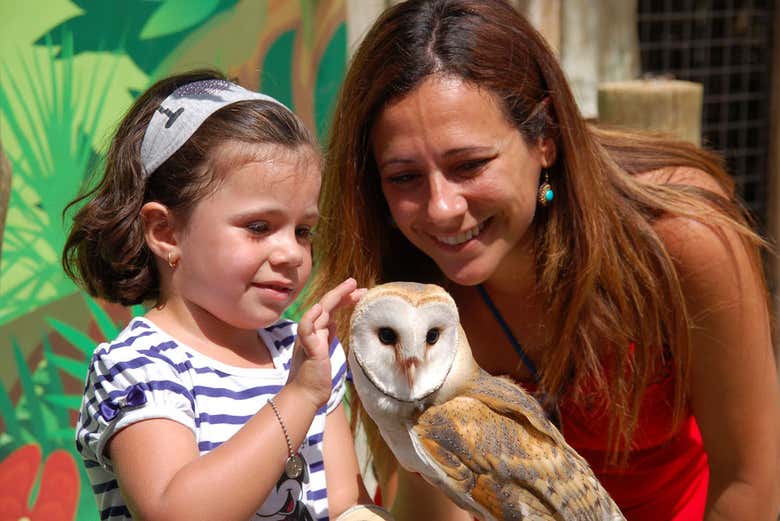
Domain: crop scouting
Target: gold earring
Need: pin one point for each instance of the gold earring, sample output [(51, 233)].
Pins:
[(173, 261), (546, 193)]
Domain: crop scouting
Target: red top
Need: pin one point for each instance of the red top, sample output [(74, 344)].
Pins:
[(667, 474)]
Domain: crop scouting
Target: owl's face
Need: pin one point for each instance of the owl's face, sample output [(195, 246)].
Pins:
[(404, 336)]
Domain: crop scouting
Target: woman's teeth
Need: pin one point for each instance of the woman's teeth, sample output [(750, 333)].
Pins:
[(461, 237)]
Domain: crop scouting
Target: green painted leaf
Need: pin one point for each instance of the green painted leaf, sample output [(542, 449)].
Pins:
[(174, 16), (50, 421), (114, 26), (37, 422), (330, 74), (73, 367), (54, 382), (137, 310), (28, 437), (7, 445), (78, 339), (54, 154), (276, 72), (66, 401), (63, 434), (103, 321), (40, 376), (8, 413)]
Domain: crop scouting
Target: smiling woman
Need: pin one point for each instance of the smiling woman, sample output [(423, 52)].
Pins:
[(459, 180), (611, 273)]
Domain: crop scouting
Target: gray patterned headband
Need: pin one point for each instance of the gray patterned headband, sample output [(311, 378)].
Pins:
[(183, 112)]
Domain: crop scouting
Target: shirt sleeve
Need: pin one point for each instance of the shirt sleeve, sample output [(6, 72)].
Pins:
[(338, 368), (125, 386)]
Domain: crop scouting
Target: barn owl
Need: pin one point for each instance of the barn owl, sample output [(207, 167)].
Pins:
[(482, 439)]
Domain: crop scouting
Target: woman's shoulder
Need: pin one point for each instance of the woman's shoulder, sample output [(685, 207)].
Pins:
[(704, 249), (684, 175)]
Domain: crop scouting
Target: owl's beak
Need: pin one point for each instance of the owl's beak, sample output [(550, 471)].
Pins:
[(408, 367)]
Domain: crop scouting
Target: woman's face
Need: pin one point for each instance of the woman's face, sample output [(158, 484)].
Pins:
[(460, 181)]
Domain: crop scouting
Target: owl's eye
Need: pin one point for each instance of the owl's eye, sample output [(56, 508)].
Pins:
[(387, 336), (432, 336)]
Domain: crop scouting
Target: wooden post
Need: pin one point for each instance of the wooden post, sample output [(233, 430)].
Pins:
[(545, 16), (599, 43), (360, 16), (669, 106)]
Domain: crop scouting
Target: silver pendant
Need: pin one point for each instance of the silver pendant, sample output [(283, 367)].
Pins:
[(293, 466)]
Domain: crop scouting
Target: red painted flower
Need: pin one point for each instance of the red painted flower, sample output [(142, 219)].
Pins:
[(58, 493)]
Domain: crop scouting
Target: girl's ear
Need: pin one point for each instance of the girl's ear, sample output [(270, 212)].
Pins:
[(159, 230)]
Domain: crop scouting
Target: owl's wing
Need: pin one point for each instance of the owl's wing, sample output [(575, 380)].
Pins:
[(509, 459), (504, 397)]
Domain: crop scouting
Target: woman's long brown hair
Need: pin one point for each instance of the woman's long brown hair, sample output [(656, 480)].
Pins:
[(600, 265)]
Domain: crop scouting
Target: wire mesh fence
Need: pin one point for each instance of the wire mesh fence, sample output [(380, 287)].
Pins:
[(726, 45)]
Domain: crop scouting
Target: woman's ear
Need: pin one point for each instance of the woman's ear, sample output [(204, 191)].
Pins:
[(548, 149), (159, 230)]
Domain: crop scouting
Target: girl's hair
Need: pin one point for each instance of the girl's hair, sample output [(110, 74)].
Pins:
[(602, 269), (106, 252)]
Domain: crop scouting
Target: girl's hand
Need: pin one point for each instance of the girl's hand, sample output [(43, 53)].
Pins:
[(310, 366)]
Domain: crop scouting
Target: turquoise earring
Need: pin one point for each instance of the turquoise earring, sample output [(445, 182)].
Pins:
[(546, 192)]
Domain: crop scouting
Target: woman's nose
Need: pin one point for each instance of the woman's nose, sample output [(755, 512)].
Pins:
[(446, 202)]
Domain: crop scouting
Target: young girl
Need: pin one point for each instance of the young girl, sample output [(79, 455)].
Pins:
[(211, 406)]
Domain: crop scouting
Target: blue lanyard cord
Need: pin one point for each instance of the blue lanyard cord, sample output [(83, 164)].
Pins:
[(551, 408), (509, 335)]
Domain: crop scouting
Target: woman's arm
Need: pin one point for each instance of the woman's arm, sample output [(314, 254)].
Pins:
[(734, 387), (411, 498), (345, 484)]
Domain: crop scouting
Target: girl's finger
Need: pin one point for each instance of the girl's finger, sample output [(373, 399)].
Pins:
[(357, 294), (322, 321), (306, 323), (331, 333), (333, 298)]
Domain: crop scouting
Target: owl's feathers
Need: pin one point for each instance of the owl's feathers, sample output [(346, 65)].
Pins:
[(491, 443), (482, 439)]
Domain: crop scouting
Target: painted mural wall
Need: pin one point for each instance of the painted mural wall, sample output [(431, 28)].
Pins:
[(68, 72)]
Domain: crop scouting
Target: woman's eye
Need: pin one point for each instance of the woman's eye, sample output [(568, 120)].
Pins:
[(257, 227), (471, 166), (304, 232), (400, 179)]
